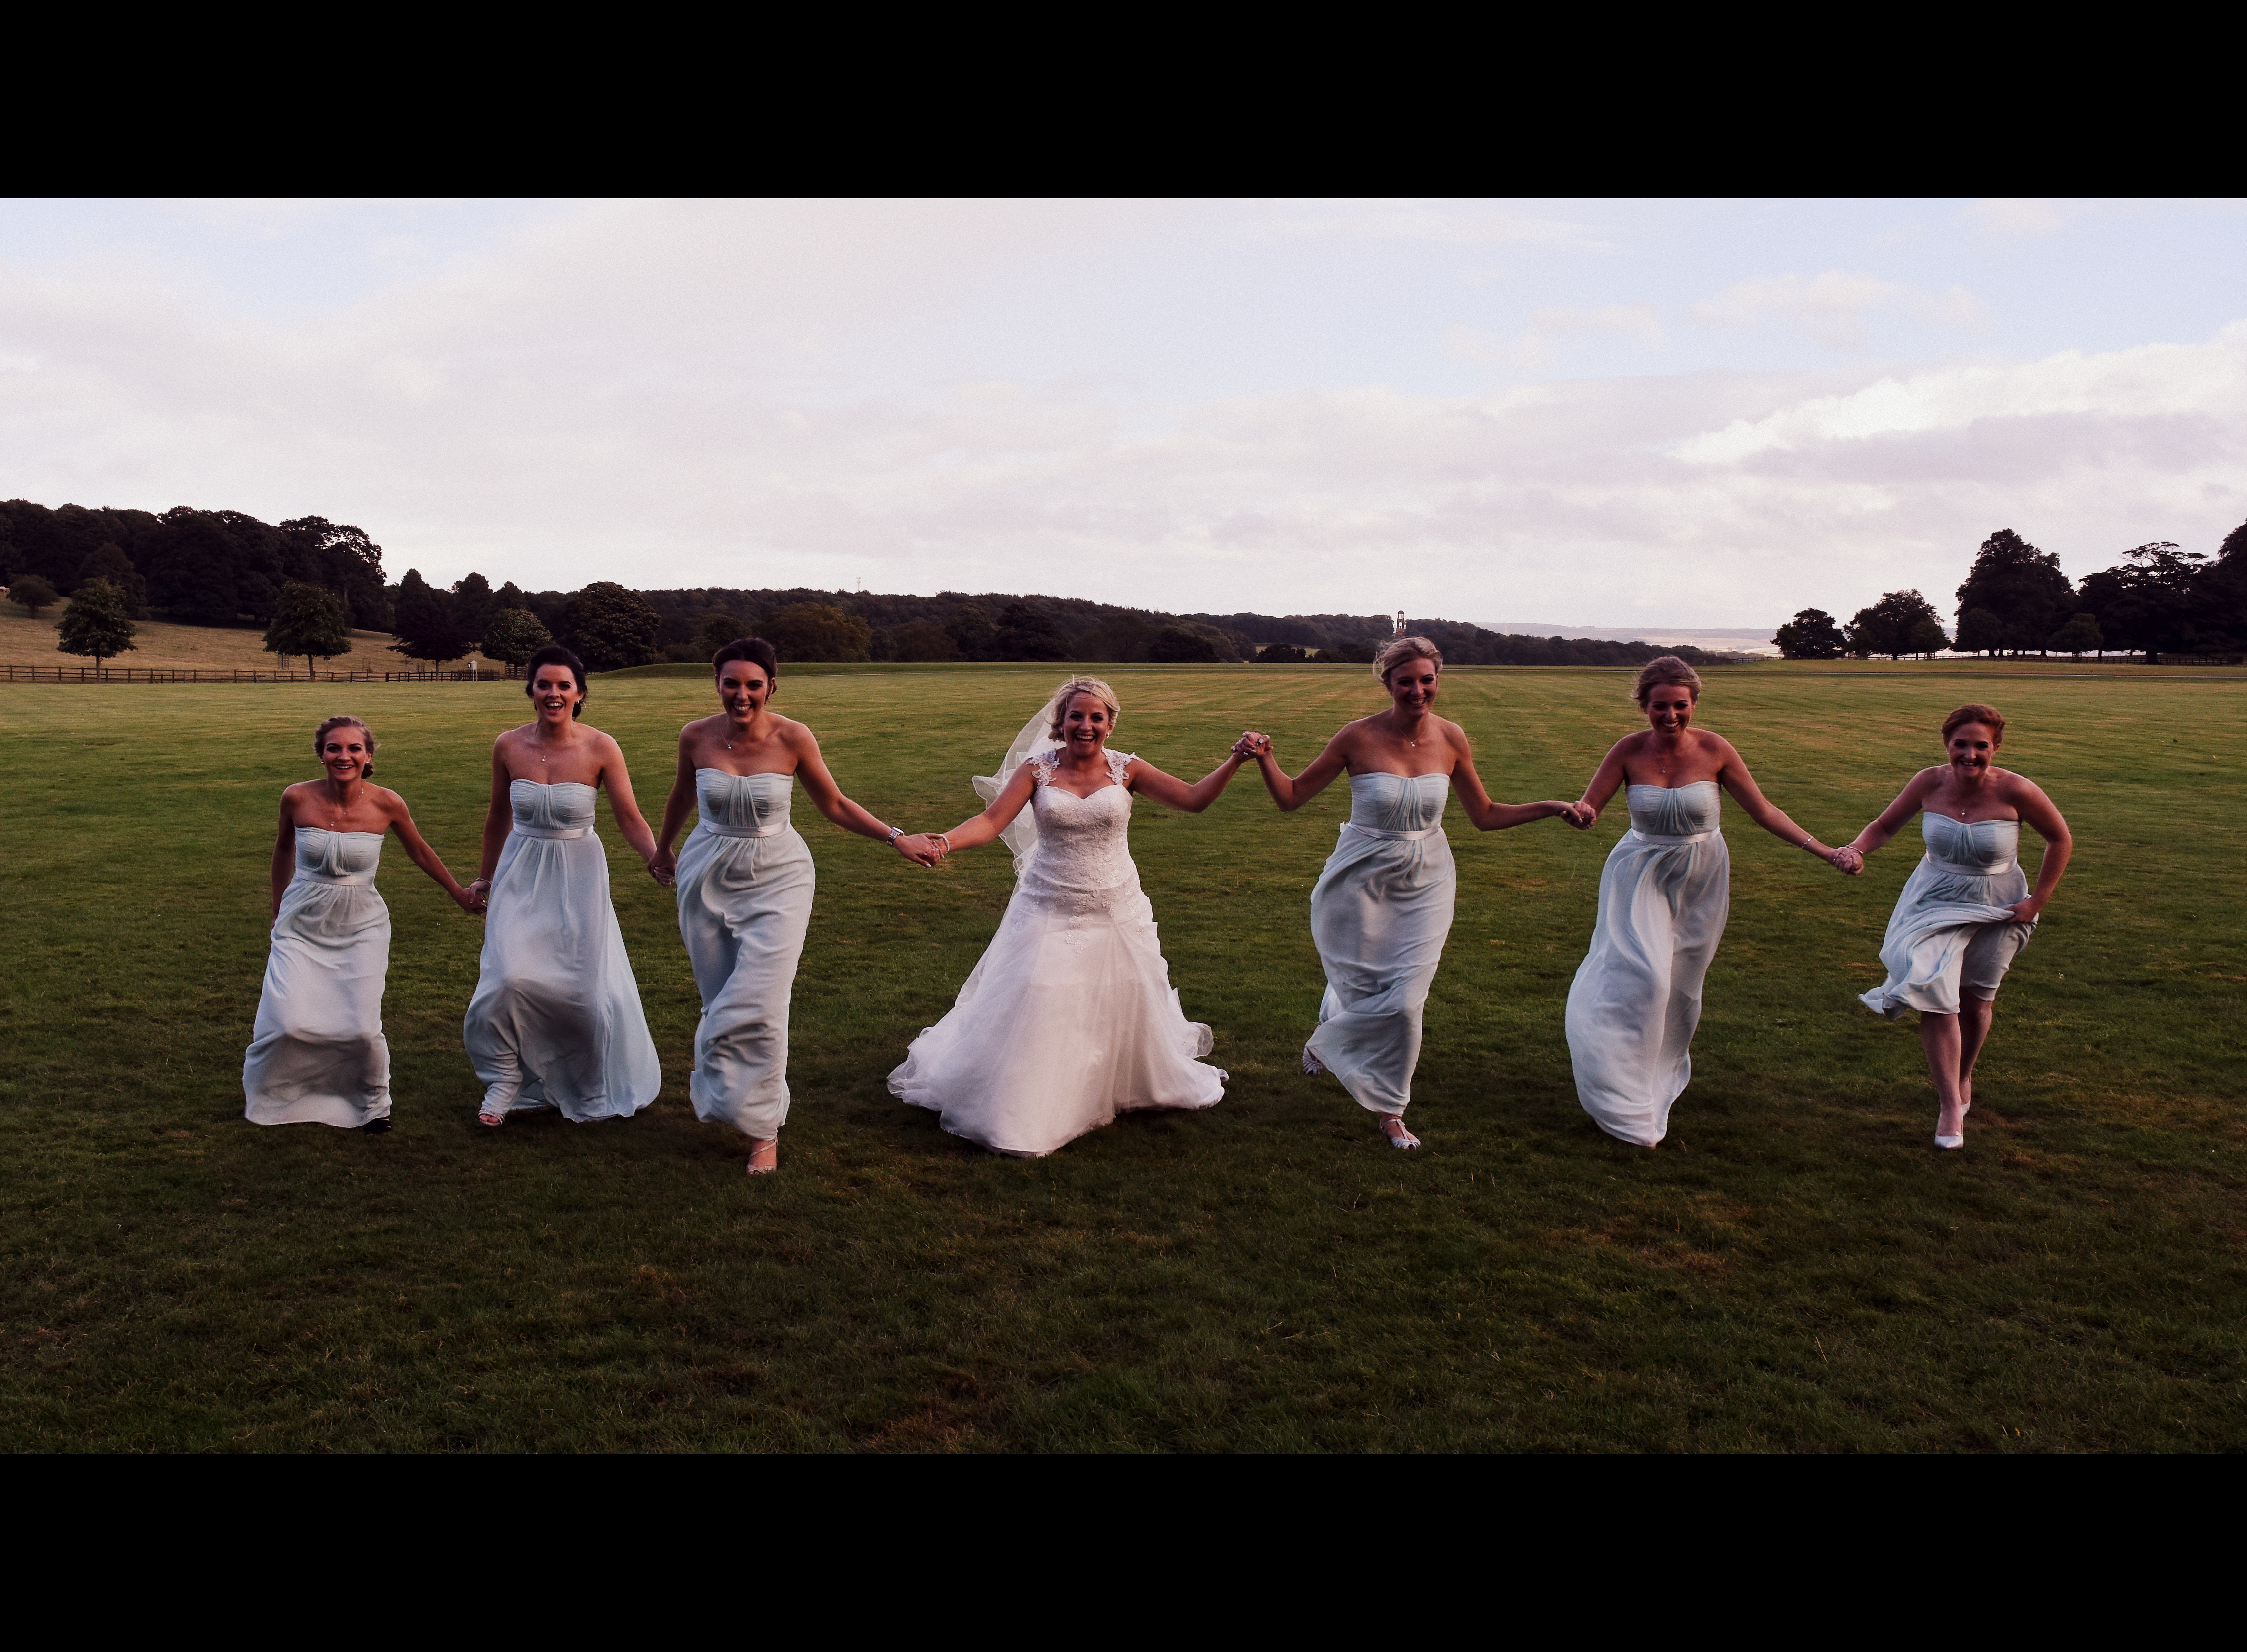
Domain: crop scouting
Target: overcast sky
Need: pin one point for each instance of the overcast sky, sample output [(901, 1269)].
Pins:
[(1597, 413)]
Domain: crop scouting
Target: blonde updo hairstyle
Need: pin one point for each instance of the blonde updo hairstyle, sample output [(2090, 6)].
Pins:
[(1398, 650), (320, 742), (1057, 708), (1661, 673)]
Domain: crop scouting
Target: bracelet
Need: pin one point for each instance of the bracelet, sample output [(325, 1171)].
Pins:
[(896, 832)]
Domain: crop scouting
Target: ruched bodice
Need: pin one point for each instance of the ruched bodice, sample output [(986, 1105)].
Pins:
[(1084, 845), (1981, 848), (743, 805), (1675, 811), (1398, 803), (324, 857), (566, 806)]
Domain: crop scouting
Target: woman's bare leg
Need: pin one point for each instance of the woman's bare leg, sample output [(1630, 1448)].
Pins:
[(1974, 1017), (764, 1156), (1939, 1036)]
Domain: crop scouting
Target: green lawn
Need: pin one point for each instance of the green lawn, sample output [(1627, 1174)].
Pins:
[(1797, 1268)]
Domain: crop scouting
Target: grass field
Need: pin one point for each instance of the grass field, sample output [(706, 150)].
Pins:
[(1797, 1268)]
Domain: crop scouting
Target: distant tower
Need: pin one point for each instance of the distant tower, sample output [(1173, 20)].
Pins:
[(1399, 632)]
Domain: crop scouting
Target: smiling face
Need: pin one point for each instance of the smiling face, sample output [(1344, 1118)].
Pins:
[(1412, 683), (1669, 708), (742, 688), (1972, 747), (1085, 726), (554, 693), (343, 752)]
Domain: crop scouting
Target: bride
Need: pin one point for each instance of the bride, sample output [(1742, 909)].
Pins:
[(1069, 1017)]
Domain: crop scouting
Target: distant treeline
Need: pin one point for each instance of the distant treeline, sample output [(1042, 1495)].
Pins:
[(2157, 600), (224, 568)]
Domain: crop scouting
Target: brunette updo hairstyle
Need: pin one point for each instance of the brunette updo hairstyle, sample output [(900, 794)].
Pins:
[(366, 769), (555, 654), (757, 651), (1398, 650), (1662, 672), (1975, 711)]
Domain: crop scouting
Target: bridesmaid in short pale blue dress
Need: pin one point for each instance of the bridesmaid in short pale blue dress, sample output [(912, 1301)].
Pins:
[(1664, 895), (1966, 911), (318, 1054), (1382, 908), (745, 882), (556, 1021)]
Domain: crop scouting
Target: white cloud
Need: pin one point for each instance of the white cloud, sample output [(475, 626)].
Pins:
[(1831, 306)]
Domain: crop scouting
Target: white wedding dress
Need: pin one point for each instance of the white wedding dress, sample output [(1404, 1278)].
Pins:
[(1069, 1017)]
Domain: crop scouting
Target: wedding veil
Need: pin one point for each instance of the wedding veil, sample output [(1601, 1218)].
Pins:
[(1022, 833)]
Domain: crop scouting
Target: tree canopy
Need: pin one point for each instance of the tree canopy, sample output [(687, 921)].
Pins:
[(1902, 622), (816, 632), (611, 627), (423, 624), (513, 635), (1811, 634), (96, 624), (32, 592), (308, 620)]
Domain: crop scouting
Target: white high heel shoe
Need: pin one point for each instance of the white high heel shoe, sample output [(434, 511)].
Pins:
[(1950, 1141), (1401, 1136)]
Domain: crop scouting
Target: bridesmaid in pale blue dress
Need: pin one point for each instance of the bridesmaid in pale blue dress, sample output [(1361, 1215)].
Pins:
[(317, 1055), (745, 884), (1664, 895), (556, 1021), (1966, 911), (1382, 909)]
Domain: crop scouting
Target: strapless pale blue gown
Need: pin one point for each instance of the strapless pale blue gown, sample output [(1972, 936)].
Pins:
[(317, 1055), (745, 886), (1379, 914), (1952, 925), (1664, 895), (556, 1021)]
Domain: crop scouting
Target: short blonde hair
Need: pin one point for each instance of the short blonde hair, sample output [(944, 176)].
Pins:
[(1398, 650), (1661, 673), (1057, 708), (320, 740)]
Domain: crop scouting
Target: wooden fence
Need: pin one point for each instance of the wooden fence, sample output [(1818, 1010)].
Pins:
[(154, 674)]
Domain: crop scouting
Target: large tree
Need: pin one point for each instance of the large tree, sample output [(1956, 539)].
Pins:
[(308, 620), (919, 641), (473, 603), (1902, 622), (1027, 633), (109, 562), (96, 624), (31, 593), (971, 631), (1811, 634), (2153, 602), (718, 628), (2022, 586), (817, 630), (612, 628), (1174, 645), (513, 635), (422, 623)]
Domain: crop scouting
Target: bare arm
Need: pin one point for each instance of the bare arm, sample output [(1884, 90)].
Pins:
[(499, 819), (978, 829), (1735, 778), (1492, 816), (617, 778), (1293, 794), (678, 806), (827, 797), (2046, 820), (285, 854), (1150, 781), (1897, 814), (1605, 781), (401, 821)]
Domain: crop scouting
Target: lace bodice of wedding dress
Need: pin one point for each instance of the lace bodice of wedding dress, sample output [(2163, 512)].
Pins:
[(1084, 856)]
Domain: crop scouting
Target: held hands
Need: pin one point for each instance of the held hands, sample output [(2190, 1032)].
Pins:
[(1578, 815), (1251, 745), (476, 897), (923, 849), (662, 866), (1846, 861)]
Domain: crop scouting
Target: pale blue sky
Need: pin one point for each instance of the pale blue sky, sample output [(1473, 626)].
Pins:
[(1606, 413)]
